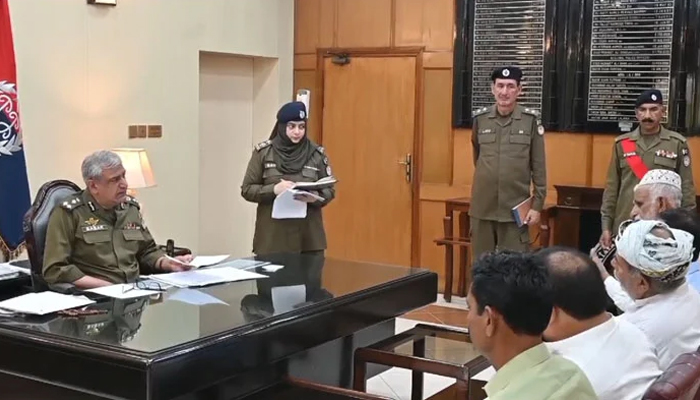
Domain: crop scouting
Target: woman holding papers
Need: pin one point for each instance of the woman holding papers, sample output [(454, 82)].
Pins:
[(277, 170)]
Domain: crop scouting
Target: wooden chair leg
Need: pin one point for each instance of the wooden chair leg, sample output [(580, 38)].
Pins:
[(449, 271), (359, 376), (463, 254), (463, 260), (461, 390), (417, 376)]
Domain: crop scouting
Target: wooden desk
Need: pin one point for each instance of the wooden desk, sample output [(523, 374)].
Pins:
[(241, 341)]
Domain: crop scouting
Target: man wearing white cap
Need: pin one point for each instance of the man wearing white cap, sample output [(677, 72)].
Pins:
[(651, 263), (659, 191)]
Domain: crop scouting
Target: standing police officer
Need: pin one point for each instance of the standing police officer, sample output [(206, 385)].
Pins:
[(289, 156), (649, 146), (509, 154)]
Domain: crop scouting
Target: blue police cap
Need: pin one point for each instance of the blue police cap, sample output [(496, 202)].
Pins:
[(507, 73), (294, 111), (649, 96)]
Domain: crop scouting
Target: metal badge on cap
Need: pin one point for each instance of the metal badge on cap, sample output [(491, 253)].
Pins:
[(506, 72), (653, 97)]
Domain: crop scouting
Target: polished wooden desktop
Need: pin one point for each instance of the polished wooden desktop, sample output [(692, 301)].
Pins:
[(221, 342)]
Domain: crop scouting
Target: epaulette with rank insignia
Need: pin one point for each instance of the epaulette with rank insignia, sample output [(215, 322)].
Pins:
[(623, 136), (262, 145), (480, 111), (677, 136), (71, 203), (320, 149), (132, 201), (532, 112)]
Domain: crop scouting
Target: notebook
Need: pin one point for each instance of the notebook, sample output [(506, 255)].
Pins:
[(521, 210)]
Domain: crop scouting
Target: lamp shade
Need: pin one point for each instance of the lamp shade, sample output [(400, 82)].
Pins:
[(138, 170)]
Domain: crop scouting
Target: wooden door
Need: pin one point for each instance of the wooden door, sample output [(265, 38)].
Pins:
[(368, 129)]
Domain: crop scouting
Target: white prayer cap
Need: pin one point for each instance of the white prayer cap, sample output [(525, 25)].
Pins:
[(655, 257), (664, 176)]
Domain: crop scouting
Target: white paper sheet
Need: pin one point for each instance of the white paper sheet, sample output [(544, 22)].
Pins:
[(284, 298), (242, 263), (285, 207), (203, 277), (202, 261), (44, 303), (195, 297), (123, 291)]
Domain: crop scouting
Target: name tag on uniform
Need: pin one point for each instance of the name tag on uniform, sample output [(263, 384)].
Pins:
[(311, 168), (94, 228), (270, 165), (485, 131), (630, 154)]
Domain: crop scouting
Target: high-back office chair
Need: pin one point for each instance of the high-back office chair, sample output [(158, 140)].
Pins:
[(36, 221), (680, 381)]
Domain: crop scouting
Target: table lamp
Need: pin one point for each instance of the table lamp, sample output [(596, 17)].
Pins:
[(138, 170)]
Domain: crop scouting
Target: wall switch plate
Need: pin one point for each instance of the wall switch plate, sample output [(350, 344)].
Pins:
[(142, 132), (133, 132), (155, 131)]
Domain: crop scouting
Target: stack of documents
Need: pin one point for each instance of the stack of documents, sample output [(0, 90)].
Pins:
[(44, 303), (8, 271), (204, 277), (287, 207), (203, 261)]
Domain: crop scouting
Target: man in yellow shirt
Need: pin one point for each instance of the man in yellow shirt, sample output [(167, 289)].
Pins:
[(510, 303)]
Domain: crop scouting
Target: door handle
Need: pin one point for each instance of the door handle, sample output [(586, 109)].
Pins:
[(408, 164)]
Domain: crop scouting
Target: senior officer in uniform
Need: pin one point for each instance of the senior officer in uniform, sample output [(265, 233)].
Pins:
[(289, 156), (649, 146), (97, 237), (509, 154)]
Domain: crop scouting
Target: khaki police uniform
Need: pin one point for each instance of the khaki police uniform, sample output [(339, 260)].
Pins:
[(84, 239), (666, 150), (285, 235), (509, 154)]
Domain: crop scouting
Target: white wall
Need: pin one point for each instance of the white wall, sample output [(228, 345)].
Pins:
[(225, 108), (87, 72)]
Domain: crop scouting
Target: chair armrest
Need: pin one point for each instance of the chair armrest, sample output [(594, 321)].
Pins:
[(351, 394), (65, 288)]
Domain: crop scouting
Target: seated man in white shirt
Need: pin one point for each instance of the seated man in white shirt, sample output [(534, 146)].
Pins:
[(509, 306), (614, 354), (658, 192), (651, 262)]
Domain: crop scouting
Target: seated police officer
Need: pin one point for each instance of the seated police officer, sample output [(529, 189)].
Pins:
[(97, 237)]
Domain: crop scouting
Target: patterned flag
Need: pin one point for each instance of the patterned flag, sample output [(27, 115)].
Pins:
[(14, 185)]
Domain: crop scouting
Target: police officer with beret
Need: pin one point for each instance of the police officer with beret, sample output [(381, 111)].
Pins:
[(509, 155), (649, 146), (289, 156)]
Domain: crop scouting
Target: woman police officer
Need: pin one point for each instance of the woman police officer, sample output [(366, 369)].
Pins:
[(289, 156)]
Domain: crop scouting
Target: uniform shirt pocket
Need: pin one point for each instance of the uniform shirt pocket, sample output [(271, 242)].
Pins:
[(519, 139), (310, 174), (486, 138), (271, 175), (133, 234), (97, 237), (665, 162)]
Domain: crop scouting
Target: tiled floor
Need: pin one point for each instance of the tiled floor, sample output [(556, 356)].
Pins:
[(396, 382)]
